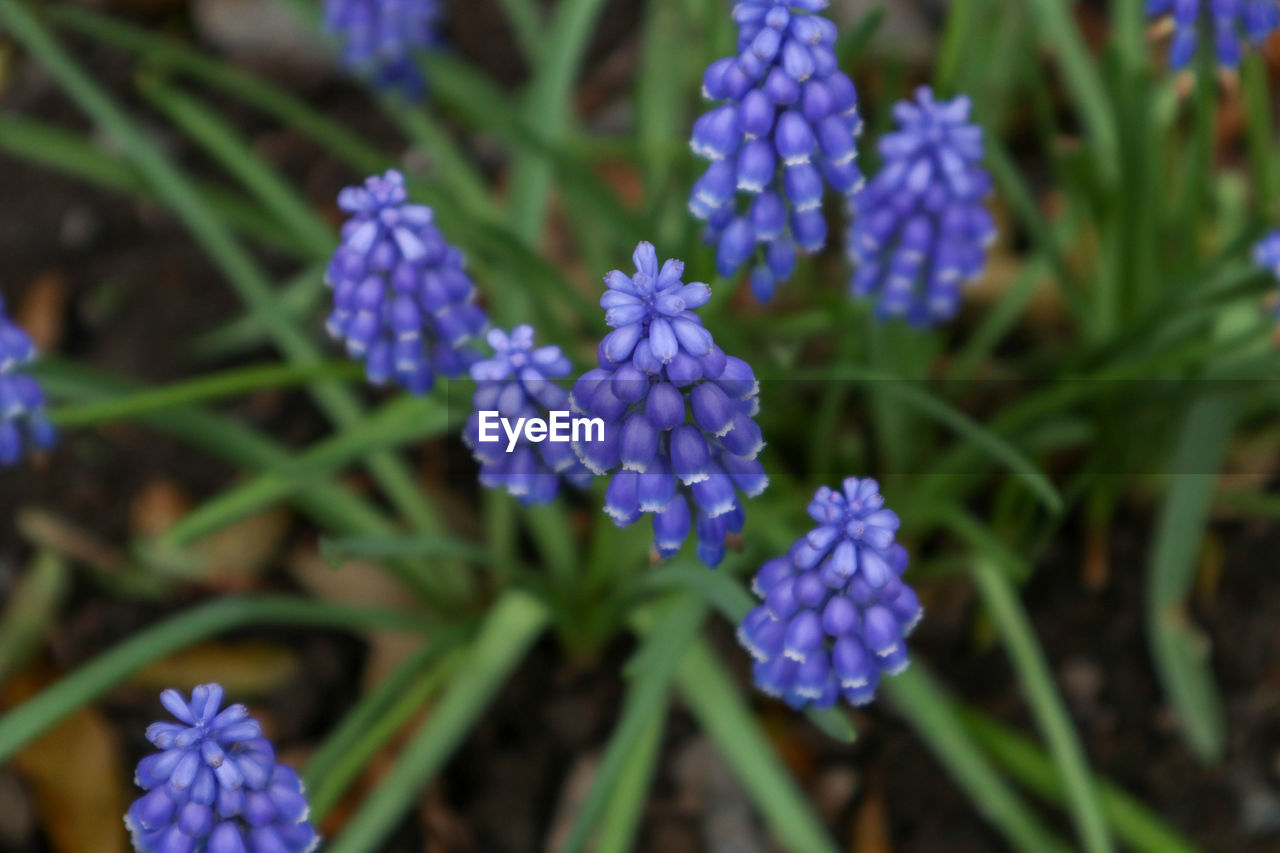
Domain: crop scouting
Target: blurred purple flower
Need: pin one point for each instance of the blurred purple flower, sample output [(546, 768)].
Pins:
[(1226, 20), (920, 230), (23, 425), (402, 299), (215, 786), (380, 37)]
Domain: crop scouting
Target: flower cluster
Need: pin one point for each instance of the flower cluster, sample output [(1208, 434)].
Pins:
[(215, 786), (1228, 20), (379, 39), (787, 130), (22, 420), (835, 612), (920, 230), (519, 382), (656, 368), (402, 299)]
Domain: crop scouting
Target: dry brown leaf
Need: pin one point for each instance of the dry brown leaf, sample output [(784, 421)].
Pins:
[(244, 669), (871, 825), (73, 772), (361, 583), (41, 311), (157, 507), (231, 559)]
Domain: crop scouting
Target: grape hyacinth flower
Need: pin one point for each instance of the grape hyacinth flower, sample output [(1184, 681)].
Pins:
[(1266, 254), (920, 230), (215, 786), (379, 38), (22, 419), (519, 382), (786, 131), (1227, 20), (835, 613), (678, 412), (402, 299)]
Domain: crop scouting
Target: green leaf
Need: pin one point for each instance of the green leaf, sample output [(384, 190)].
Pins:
[(511, 627), (30, 609), (650, 672), (402, 420), (716, 705), (1181, 653), (924, 705), (1046, 705), (380, 714), (202, 124), (1134, 823), (621, 820), (40, 713), (201, 389), (236, 264), (336, 551)]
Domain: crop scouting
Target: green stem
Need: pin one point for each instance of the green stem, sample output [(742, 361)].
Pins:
[(40, 713), (1046, 705), (924, 705), (362, 735), (511, 627), (239, 268), (202, 389), (1019, 756)]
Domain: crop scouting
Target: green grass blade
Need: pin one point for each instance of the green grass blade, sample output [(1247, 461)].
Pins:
[(335, 551), (70, 154), (402, 420), (175, 55), (201, 389), (362, 736), (650, 672), (511, 627), (1135, 825), (202, 124), (526, 24), (979, 436), (330, 505), (1058, 29), (548, 109), (31, 607), (1180, 651), (300, 296), (924, 705), (1046, 705), (716, 705), (40, 713), (621, 821), (239, 268)]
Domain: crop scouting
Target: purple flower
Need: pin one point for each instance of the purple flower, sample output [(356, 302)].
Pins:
[(402, 299), (215, 786), (920, 230), (380, 37), (22, 419), (1226, 20), (679, 430), (835, 613), (1266, 254), (786, 131), (518, 382)]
